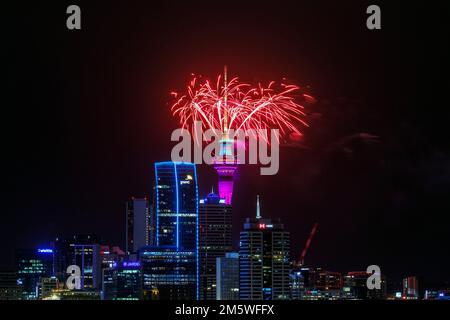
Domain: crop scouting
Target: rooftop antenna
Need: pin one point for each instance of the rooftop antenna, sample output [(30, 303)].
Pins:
[(258, 210)]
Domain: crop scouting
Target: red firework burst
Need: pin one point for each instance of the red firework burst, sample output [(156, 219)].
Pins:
[(233, 105)]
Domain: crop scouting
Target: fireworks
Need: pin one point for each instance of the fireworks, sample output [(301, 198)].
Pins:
[(229, 105)]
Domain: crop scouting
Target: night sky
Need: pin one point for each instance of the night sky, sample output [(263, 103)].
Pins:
[(87, 113)]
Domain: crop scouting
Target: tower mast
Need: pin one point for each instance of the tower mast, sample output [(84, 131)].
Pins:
[(225, 100), (258, 209)]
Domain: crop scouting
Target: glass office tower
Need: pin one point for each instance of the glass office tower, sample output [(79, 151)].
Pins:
[(215, 222), (31, 266), (264, 259), (176, 234)]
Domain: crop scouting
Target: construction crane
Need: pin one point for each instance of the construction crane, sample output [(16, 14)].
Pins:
[(301, 261)]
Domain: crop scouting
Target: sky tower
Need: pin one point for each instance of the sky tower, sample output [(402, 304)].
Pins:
[(226, 163)]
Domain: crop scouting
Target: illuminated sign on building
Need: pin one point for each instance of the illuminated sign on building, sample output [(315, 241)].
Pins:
[(45, 250), (132, 264)]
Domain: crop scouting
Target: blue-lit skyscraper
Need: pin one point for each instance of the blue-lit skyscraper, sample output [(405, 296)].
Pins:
[(176, 205), (176, 232)]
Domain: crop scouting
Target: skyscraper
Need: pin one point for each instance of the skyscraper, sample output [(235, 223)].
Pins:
[(411, 288), (176, 234), (227, 270), (176, 199), (129, 281), (69, 251), (355, 286), (87, 257), (214, 241), (169, 273), (31, 266), (137, 224), (297, 283), (321, 284), (264, 259), (46, 287), (109, 282), (9, 288)]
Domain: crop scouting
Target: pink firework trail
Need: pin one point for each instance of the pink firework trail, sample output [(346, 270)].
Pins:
[(233, 105)]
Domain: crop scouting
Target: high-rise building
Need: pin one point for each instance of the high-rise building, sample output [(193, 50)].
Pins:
[(227, 270), (411, 288), (109, 282), (46, 287), (9, 288), (62, 257), (264, 259), (297, 283), (137, 224), (31, 266), (355, 287), (318, 284), (67, 251), (214, 241), (87, 257), (129, 281), (169, 273), (176, 234), (176, 201)]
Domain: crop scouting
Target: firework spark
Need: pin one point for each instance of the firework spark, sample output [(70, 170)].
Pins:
[(229, 105)]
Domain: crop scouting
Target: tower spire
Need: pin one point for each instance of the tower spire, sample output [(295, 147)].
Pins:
[(258, 210), (225, 99)]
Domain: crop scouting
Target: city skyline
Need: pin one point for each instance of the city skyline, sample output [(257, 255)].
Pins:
[(88, 115), (266, 269)]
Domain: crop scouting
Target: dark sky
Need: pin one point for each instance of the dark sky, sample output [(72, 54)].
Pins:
[(87, 113)]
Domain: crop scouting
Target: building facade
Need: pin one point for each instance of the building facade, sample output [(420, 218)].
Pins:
[(411, 290), (83, 251), (109, 283), (31, 266), (227, 283), (170, 267), (9, 288), (46, 287), (129, 281), (215, 224), (137, 224), (87, 257), (355, 287), (264, 260), (169, 273)]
